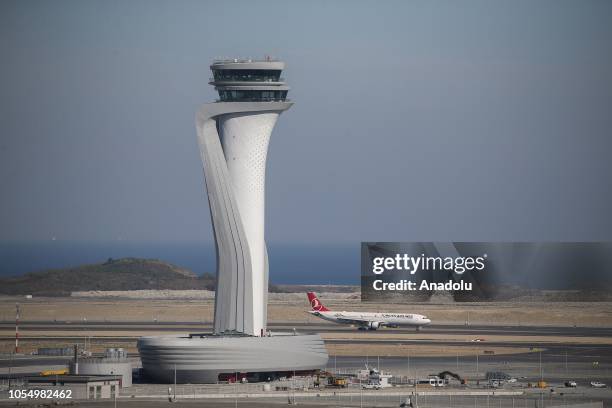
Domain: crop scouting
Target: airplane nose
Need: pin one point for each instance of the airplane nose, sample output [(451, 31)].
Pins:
[(426, 320)]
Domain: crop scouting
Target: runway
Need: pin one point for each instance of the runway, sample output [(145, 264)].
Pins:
[(481, 336), (188, 327)]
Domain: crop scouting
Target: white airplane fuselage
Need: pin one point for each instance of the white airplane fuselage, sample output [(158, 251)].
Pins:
[(372, 320)]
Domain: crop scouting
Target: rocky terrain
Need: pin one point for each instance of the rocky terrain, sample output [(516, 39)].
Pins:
[(114, 274)]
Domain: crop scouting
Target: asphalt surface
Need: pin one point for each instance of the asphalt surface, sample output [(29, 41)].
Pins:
[(478, 330), (560, 361)]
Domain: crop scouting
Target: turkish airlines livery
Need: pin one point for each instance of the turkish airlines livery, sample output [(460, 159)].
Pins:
[(366, 320)]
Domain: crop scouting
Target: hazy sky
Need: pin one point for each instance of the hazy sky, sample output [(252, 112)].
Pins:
[(422, 120)]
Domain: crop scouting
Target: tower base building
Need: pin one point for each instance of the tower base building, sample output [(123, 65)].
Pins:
[(211, 359)]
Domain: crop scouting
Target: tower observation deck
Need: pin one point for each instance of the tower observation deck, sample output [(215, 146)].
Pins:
[(249, 81)]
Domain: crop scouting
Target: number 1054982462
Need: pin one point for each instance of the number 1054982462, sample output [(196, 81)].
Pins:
[(40, 394)]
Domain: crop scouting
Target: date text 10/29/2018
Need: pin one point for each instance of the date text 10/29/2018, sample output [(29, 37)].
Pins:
[(40, 394)]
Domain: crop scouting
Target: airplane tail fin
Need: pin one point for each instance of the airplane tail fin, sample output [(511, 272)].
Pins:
[(315, 303)]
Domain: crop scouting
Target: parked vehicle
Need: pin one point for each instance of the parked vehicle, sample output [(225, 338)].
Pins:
[(340, 382), (571, 384), (432, 380), (61, 371)]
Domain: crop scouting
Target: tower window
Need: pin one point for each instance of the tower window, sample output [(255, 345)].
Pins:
[(249, 75), (252, 95)]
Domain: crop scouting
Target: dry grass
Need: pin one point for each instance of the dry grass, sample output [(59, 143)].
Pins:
[(293, 307), (466, 338)]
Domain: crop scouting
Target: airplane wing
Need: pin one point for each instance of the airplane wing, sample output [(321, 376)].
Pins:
[(356, 321), (344, 319), (363, 322)]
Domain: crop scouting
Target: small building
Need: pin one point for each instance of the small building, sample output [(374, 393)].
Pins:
[(81, 387), (376, 377), (114, 362), (498, 378), (432, 380), (54, 351)]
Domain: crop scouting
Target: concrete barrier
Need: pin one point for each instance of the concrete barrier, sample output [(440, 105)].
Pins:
[(327, 394), (598, 404)]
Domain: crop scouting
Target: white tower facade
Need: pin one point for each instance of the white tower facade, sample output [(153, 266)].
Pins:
[(233, 135)]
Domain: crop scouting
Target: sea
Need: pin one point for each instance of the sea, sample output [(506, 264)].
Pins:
[(307, 264)]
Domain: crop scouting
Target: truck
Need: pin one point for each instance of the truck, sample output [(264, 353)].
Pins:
[(432, 380), (571, 384), (339, 382), (46, 373)]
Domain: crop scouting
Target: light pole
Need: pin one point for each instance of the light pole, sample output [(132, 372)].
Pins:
[(541, 380), (293, 378), (541, 372), (360, 393), (16, 328), (416, 389), (408, 373), (9, 371)]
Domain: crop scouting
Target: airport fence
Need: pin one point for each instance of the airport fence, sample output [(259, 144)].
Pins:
[(446, 401), (296, 393)]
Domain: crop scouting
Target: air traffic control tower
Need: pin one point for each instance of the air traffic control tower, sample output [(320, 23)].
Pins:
[(233, 137)]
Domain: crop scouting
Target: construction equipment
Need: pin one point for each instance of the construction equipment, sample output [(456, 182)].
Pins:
[(446, 374), (62, 371), (340, 382)]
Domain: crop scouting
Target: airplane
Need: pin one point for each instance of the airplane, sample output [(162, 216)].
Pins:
[(366, 320)]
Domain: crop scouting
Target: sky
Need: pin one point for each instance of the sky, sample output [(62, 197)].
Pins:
[(413, 120)]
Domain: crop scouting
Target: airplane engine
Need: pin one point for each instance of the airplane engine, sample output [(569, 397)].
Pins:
[(373, 325)]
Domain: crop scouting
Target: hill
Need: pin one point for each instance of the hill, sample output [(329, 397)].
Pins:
[(114, 274)]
